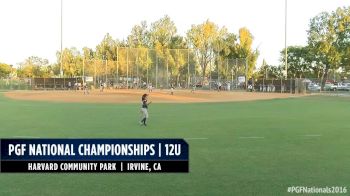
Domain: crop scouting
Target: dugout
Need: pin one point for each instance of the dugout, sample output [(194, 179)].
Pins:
[(55, 83), (277, 85)]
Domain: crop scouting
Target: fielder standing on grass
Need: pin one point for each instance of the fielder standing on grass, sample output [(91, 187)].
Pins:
[(144, 109)]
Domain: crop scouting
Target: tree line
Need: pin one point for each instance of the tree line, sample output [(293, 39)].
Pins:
[(207, 44), (327, 50)]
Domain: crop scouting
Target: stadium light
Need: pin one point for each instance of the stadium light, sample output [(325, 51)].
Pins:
[(61, 60), (285, 40)]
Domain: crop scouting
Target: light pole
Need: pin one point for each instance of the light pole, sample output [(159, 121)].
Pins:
[(61, 60), (188, 68), (117, 65), (285, 40)]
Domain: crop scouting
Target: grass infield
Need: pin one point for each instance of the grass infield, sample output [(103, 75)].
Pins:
[(245, 148)]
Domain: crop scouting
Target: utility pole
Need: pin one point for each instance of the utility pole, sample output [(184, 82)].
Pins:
[(61, 59), (127, 68), (117, 64), (285, 40), (188, 68)]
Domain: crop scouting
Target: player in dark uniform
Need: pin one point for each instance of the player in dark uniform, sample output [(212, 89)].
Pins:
[(101, 86), (144, 109), (171, 89)]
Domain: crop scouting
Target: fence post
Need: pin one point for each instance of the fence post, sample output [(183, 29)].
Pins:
[(232, 77), (253, 85), (281, 84), (209, 75), (127, 68), (137, 69), (246, 73), (117, 65), (188, 68), (95, 73), (83, 71), (167, 72), (156, 71), (147, 68), (226, 72), (263, 86), (106, 72), (218, 59), (236, 70)]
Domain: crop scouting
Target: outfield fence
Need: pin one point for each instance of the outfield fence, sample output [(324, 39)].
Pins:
[(140, 67), (15, 84), (135, 68), (301, 86), (293, 85)]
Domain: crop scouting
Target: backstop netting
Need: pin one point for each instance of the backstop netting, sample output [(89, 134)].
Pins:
[(229, 74), (141, 67)]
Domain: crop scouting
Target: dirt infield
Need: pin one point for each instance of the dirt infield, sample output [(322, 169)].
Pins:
[(134, 96)]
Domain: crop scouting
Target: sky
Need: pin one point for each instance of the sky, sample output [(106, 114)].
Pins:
[(32, 27)]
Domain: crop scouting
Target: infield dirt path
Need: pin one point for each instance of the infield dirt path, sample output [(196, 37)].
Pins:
[(134, 96)]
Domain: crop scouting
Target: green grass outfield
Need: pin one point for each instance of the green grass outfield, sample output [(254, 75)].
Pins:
[(300, 142)]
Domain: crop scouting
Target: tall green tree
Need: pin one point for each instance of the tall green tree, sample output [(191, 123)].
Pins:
[(299, 64), (245, 49), (139, 36), (202, 38), (177, 57), (222, 51), (34, 66), (323, 42), (72, 62), (5, 70), (108, 50), (161, 33), (342, 21)]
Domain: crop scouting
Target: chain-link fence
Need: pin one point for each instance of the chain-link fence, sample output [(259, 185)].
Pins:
[(300, 86), (141, 67), (135, 68), (138, 68), (178, 68), (15, 84), (140, 78), (227, 74), (328, 86), (275, 85)]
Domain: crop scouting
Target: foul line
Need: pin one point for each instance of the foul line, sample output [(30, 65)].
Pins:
[(24, 136), (312, 135), (253, 137), (196, 138)]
